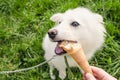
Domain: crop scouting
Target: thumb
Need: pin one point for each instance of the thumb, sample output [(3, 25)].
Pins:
[(89, 76)]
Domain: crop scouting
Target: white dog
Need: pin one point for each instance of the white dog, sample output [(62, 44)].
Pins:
[(79, 25)]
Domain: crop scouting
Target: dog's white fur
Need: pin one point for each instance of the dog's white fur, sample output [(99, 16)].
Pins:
[(90, 33)]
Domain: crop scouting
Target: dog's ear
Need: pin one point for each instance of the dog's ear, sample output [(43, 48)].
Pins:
[(56, 17), (99, 18)]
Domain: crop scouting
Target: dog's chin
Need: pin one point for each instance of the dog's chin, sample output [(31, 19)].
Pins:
[(58, 49)]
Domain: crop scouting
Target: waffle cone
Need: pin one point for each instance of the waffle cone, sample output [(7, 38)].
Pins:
[(76, 51)]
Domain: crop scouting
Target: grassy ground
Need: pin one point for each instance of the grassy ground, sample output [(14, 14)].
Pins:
[(23, 24)]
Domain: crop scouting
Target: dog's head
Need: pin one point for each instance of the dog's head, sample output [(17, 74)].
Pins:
[(80, 25)]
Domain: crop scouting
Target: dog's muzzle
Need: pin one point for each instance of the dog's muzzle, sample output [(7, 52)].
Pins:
[(52, 33), (58, 50)]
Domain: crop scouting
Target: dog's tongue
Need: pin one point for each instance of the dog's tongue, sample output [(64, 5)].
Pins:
[(59, 50)]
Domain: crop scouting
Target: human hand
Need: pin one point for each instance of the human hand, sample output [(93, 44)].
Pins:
[(98, 74)]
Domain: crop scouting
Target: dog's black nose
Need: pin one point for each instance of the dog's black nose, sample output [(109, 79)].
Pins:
[(52, 33)]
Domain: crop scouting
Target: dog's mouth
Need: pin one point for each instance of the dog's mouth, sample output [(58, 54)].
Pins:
[(59, 50)]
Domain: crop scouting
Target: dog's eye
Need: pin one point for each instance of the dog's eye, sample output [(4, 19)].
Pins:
[(75, 24)]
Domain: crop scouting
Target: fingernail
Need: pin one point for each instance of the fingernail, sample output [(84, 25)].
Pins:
[(89, 76)]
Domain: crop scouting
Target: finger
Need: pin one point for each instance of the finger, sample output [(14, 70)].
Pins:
[(84, 77), (101, 74), (89, 76), (99, 71)]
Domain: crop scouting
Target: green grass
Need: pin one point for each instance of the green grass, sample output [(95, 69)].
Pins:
[(23, 24)]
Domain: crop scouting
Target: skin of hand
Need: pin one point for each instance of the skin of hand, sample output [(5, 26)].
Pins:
[(98, 74)]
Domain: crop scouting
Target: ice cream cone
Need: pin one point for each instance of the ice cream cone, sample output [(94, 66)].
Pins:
[(76, 51)]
